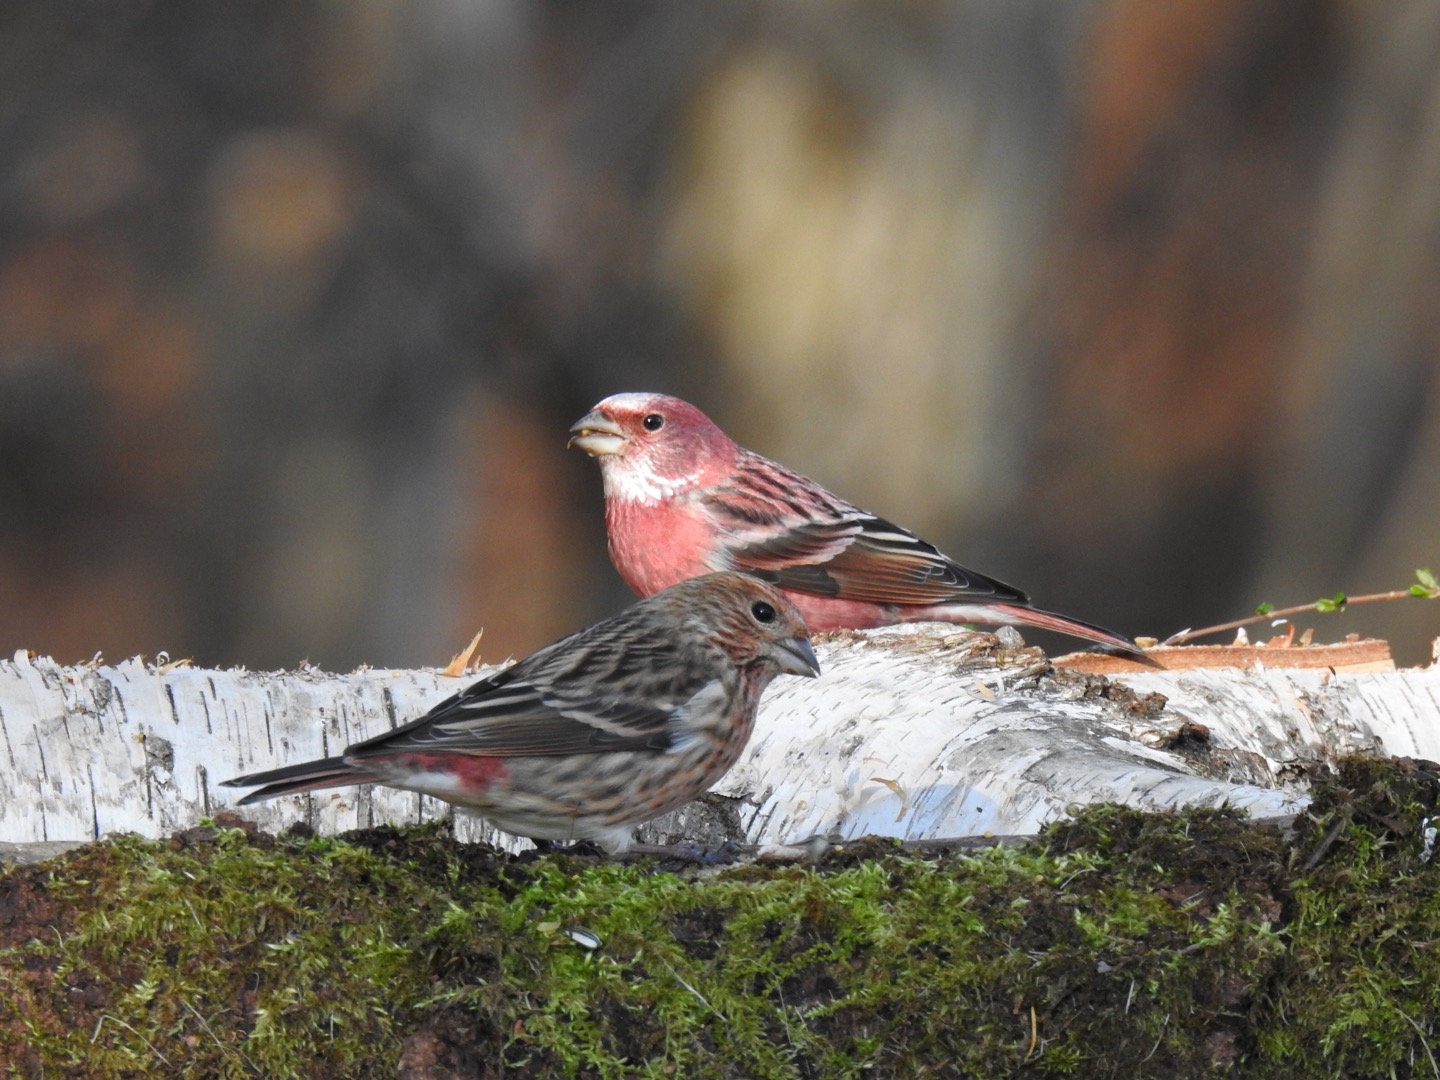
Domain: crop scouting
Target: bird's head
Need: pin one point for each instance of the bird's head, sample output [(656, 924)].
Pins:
[(754, 623), (652, 447)]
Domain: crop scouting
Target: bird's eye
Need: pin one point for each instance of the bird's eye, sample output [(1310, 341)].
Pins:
[(762, 611), (653, 422)]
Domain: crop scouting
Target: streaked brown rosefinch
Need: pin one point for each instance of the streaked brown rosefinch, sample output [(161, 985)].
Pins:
[(602, 730), (682, 499)]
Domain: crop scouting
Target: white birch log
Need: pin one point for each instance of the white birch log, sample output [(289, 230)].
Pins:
[(917, 733)]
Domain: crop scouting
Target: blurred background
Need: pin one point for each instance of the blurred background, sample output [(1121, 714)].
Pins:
[(1133, 305)]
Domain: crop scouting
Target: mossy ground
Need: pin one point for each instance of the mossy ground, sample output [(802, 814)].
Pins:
[(1120, 944)]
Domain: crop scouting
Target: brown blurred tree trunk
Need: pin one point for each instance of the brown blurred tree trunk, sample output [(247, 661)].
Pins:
[(1172, 292)]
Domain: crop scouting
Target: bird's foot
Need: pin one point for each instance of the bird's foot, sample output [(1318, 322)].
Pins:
[(726, 854)]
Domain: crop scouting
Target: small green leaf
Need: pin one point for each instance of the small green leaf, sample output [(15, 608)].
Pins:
[(1264, 609), (1421, 591), (1426, 577), (1327, 606)]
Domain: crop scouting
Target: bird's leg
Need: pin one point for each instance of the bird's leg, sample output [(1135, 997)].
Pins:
[(727, 853)]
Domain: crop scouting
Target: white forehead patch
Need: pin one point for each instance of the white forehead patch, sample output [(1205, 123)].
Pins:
[(634, 401)]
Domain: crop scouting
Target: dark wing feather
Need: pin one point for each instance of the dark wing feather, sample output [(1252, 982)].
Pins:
[(569, 698), (879, 563), (788, 530)]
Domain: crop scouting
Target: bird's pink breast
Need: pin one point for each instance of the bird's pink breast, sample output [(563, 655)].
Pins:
[(657, 545)]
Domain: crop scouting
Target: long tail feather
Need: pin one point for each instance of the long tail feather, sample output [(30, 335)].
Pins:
[(307, 776), (1062, 624)]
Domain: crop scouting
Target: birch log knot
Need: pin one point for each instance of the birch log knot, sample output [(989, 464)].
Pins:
[(916, 732)]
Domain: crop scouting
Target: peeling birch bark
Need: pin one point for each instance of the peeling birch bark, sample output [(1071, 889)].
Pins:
[(916, 733)]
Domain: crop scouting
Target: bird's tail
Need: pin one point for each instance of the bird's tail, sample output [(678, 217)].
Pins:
[(1062, 624), (307, 776)]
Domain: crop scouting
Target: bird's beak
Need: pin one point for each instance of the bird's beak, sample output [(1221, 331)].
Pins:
[(796, 657), (597, 435)]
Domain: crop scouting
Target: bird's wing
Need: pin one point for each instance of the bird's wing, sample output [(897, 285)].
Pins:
[(786, 529), (565, 699), (880, 563)]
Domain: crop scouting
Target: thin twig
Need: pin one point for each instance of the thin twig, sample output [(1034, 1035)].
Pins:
[(1327, 842), (94, 1035), (1281, 613), (228, 1051), (1424, 1045)]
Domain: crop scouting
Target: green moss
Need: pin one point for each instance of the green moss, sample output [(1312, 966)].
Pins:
[(1359, 990), (1121, 944)]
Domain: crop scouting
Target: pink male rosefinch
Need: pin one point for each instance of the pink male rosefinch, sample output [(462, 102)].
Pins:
[(603, 729), (682, 499)]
